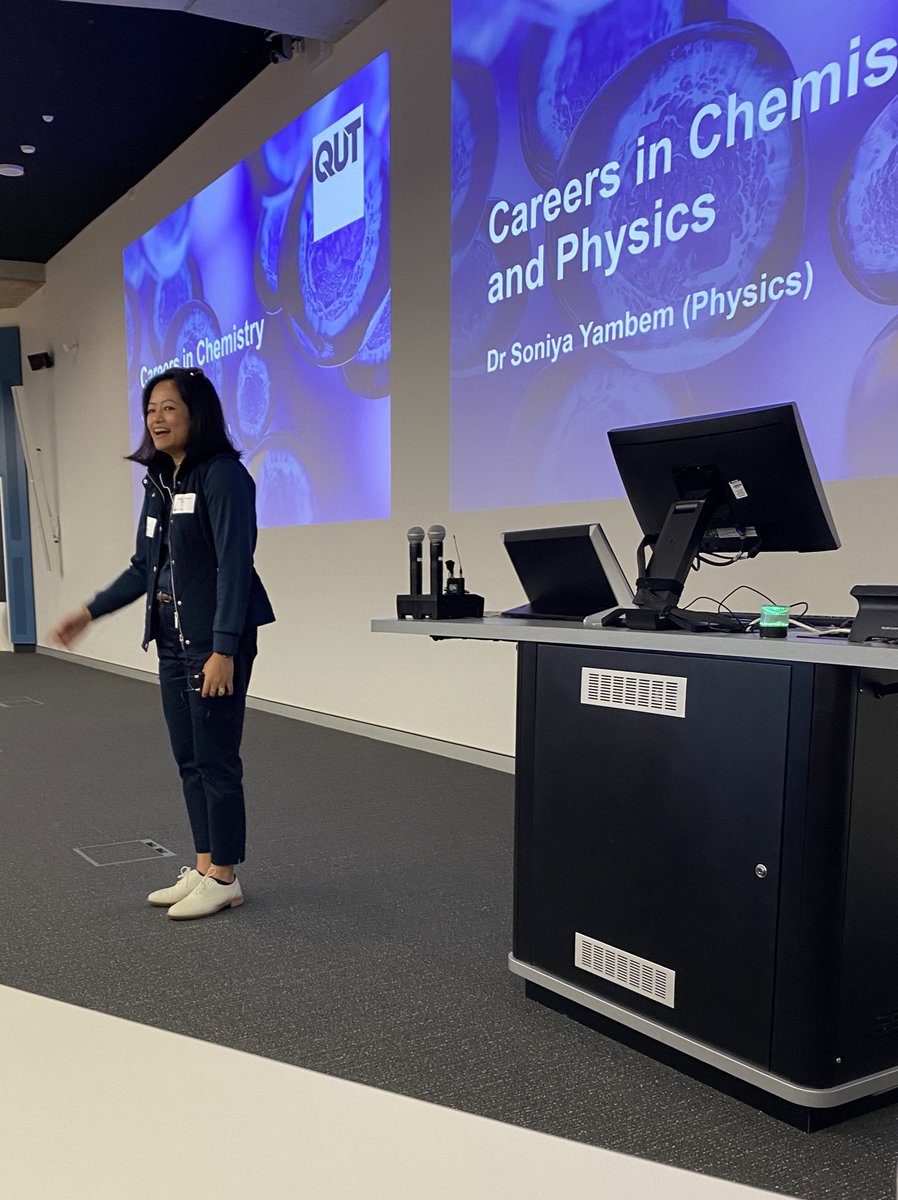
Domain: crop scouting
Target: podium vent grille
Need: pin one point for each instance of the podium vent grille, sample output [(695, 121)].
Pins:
[(626, 970), (636, 691)]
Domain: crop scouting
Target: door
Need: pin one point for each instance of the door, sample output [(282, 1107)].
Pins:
[(651, 860)]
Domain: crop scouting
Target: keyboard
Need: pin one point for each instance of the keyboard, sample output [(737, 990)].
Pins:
[(524, 610), (817, 622)]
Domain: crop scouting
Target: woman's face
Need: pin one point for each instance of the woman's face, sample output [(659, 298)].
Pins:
[(168, 420)]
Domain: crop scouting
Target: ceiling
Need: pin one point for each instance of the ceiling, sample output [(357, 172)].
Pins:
[(125, 84)]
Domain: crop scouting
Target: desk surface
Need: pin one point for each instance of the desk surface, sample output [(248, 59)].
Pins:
[(794, 648)]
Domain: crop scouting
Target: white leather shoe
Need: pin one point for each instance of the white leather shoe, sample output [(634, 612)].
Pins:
[(188, 878), (208, 897)]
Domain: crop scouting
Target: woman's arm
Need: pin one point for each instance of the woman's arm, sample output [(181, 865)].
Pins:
[(230, 502), (130, 585)]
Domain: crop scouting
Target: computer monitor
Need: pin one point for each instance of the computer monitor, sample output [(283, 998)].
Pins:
[(735, 482), (568, 572)]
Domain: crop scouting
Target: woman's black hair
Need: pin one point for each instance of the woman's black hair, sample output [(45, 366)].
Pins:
[(208, 433)]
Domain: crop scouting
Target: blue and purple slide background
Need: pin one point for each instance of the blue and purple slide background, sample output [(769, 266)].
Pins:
[(310, 405), (543, 90)]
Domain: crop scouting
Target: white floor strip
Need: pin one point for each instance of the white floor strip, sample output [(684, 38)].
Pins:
[(94, 1106)]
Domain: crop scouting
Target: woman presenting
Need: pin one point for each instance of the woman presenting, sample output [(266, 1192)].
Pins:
[(193, 566)]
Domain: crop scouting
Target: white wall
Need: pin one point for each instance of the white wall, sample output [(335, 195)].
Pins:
[(326, 582)]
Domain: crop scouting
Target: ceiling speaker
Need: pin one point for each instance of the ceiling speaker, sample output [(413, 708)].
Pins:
[(38, 361)]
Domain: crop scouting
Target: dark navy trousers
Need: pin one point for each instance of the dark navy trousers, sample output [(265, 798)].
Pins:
[(205, 739)]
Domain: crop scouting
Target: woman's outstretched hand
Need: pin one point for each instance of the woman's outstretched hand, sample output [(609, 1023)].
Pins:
[(70, 628)]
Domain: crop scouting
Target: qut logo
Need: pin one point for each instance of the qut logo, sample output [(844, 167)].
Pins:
[(338, 174)]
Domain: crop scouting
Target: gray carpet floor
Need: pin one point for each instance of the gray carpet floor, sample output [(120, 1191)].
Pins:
[(373, 942)]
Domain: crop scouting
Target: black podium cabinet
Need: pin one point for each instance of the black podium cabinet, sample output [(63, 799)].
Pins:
[(706, 854)]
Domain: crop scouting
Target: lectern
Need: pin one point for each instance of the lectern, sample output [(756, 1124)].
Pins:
[(706, 852)]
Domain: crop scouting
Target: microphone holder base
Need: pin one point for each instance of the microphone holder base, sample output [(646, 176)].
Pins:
[(445, 606)]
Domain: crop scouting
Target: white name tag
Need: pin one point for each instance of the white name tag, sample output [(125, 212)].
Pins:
[(184, 502), (151, 526)]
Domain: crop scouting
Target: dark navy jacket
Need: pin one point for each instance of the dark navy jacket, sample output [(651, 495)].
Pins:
[(212, 538)]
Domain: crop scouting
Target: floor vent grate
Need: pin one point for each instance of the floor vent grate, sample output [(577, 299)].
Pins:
[(116, 854)]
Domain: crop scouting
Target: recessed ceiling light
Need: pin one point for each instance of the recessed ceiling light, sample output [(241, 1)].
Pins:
[(11, 169), (27, 149), (47, 118)]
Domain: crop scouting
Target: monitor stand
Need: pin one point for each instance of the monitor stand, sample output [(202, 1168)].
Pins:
[(662, 583)]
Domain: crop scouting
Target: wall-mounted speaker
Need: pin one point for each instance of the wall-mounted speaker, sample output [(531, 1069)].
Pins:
[(38, 361)]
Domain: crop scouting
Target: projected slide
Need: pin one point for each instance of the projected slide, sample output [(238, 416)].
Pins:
[(665, 208), (275, 280)]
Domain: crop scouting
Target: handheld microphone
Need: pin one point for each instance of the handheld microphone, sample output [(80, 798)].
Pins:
[(415, 557), (435, 535)]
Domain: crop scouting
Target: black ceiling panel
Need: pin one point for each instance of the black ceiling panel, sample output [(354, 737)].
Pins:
[(125, 88)]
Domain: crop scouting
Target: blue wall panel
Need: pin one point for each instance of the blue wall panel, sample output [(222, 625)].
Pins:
[(17, 531)]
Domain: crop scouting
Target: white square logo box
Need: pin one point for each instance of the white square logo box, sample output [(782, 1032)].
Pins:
[(338, 174)]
